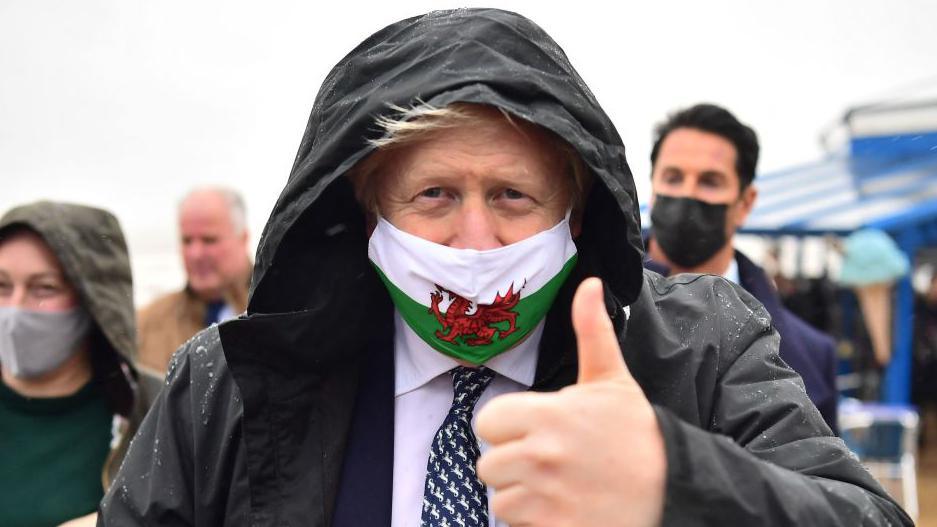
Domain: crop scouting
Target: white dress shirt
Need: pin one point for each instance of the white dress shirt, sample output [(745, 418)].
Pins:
[(732, 272), (422, 397)]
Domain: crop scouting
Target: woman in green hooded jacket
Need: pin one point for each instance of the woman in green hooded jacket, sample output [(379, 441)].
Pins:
[(70, 397)]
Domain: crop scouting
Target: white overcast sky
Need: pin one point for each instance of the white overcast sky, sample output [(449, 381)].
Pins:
[(126, 104)]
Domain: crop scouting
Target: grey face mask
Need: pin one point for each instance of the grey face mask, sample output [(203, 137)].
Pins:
[(33, 343)]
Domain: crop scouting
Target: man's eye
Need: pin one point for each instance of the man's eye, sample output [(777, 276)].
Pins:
[(513, 194), (434, 192)]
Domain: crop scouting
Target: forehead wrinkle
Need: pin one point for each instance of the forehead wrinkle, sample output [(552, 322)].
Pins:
[(496, 165), (458, 156)]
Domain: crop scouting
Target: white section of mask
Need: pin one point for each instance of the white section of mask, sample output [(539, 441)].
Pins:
[(415, 265)]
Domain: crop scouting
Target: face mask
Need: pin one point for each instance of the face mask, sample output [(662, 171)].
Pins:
[(688, 230), (469, 304), (33, 343)]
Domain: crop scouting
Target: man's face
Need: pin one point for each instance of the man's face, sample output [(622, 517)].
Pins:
[(475, 187), (212, 250), (696, 164)]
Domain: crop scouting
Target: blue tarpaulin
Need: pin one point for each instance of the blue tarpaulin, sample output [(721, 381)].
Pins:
[(886, 182)]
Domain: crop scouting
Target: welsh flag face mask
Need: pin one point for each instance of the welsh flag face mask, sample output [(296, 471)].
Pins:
[(469, 304)]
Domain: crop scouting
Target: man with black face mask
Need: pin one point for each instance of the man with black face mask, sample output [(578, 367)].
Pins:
[(703, 165)]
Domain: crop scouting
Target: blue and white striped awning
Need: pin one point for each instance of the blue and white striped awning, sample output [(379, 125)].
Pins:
[(842, 195)]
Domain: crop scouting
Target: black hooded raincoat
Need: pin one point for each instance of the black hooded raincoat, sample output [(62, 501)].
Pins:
[(252, 425)]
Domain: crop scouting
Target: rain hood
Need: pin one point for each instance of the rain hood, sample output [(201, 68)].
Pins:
[(313, 250)]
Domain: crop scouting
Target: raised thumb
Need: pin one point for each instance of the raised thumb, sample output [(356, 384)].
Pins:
[(599, 353)]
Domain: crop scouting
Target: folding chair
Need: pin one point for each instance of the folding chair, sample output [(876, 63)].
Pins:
[(884, 436)]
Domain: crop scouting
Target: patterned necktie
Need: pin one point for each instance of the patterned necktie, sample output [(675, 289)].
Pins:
[(453, 495)]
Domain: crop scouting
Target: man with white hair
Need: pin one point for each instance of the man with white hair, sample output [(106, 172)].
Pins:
[(213, 238)]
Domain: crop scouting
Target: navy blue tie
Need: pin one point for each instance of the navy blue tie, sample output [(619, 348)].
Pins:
[(453, 495)]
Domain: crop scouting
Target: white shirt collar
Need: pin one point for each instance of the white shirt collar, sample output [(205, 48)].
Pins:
[(416, 363), (732, 272)]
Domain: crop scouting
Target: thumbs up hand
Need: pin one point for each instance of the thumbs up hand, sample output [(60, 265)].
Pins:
[(589, 455)]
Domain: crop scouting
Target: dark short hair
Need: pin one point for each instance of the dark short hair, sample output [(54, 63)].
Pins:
[(719, 121)]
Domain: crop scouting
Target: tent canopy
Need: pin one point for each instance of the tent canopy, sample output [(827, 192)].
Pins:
[(846, 193)]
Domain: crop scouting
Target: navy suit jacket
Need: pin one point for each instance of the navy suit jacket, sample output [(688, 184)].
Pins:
[(809, 352), (365, 492)]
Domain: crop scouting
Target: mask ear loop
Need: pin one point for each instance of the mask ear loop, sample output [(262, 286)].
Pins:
[(569, 214)]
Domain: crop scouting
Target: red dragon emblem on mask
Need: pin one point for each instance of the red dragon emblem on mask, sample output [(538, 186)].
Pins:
[(476, 328)]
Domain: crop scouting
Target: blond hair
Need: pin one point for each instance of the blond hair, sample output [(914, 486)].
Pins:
[(412, 125)]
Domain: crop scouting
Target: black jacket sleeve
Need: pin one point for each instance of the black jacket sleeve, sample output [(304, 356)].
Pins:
[(185, 447), (767, 458)]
